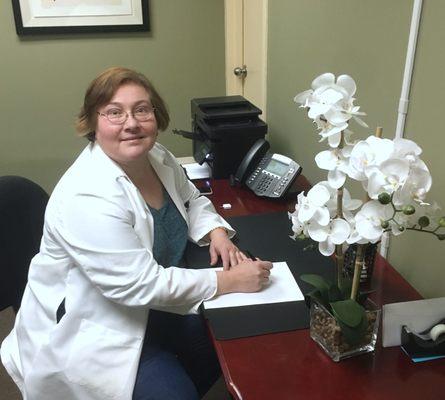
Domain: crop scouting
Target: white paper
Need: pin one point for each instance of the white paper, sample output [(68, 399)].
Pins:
[(281, 287), (196, 171)]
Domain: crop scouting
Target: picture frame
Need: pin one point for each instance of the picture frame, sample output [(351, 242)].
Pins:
[(76, 16)]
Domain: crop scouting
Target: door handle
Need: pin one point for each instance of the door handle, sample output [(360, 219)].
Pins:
[(240, 71)]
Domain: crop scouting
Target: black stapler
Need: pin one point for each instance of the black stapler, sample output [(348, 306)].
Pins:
[(425, 345)]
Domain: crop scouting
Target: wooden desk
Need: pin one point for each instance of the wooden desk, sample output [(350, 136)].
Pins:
[(290, 365)]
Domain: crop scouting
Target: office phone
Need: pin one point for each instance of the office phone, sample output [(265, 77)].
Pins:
[(267, 174)]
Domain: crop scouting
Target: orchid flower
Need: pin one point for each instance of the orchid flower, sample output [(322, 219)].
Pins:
[(388, 177), (298, 227), (336, 232), (416, 185), (313, 206), (329, 131), (368, 153), (336, 163), (349, 204), (368, 221), (331, 105)]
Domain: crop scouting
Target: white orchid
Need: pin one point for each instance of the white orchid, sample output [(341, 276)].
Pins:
[(368, 153), (331, 105), (337, 163), (329, 131), (336, 232), (349, 204), (298, 227), (416, 185), (407, 180), (391, 172), (354, 236), (328, 97), (405, 148), (388, 177), (313, 206), (368, 221), (419, 180)]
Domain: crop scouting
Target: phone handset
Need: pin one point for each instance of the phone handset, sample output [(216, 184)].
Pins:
[(251, 160)]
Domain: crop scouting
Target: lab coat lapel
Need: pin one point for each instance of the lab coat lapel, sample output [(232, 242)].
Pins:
[(143, 220), (167, 176)]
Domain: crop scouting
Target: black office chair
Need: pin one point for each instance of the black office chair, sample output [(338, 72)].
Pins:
[(22, 209)]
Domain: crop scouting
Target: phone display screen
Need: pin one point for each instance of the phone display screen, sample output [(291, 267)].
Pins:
[(276, 167), (204, 188)]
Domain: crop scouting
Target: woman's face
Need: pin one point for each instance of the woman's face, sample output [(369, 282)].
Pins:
[(129, 141)]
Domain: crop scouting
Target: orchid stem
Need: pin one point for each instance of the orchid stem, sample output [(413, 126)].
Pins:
[(357, 270), (340, 260), (339, 248)]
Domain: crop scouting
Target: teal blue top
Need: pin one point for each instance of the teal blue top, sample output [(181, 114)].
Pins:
[(170, 233)]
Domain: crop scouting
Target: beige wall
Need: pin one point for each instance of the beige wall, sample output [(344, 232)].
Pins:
[(43, 79), (367, 40)]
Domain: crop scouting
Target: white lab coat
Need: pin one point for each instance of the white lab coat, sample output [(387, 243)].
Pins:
[(96, 254)]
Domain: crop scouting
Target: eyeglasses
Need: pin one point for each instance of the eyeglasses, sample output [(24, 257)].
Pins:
[(118, 116)]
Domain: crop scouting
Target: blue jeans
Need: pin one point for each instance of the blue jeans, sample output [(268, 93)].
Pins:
[(178, 361)]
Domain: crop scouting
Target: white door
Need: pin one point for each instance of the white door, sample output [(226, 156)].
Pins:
[(246, 50)]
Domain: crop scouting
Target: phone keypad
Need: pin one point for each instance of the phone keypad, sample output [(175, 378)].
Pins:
[(264, 183)]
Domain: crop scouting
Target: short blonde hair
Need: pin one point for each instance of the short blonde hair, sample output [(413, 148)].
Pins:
[(102, 89)]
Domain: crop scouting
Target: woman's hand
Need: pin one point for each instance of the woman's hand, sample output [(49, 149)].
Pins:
[(246, 276), (222, 246)]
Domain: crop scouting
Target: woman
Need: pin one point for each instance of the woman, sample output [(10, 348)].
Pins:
[(115, 232)]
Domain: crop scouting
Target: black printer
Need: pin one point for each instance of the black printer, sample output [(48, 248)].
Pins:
[(223, 130)]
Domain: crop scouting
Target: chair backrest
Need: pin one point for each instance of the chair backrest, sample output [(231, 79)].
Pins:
[(22, 209)]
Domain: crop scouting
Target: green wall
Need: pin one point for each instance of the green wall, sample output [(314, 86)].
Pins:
[(367, 40), (43, 80)]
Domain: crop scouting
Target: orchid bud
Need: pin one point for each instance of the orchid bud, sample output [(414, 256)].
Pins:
[(385, 224), (408, 210), (442, 222), (384, 198), (424, 221)]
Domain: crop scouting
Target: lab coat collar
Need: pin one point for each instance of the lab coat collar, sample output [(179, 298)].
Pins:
[(157, 158), (105, 163), (166, 174)]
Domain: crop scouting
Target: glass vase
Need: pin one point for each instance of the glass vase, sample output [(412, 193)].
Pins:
[(325, 331)]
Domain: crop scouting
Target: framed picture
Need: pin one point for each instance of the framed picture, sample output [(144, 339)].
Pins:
[(80, 16)]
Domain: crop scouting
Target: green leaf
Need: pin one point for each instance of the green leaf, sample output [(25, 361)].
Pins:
[(348, 312), (354, 335), (334, 293), (345, 288), (321, 284), (352, 319), (317, 281)]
